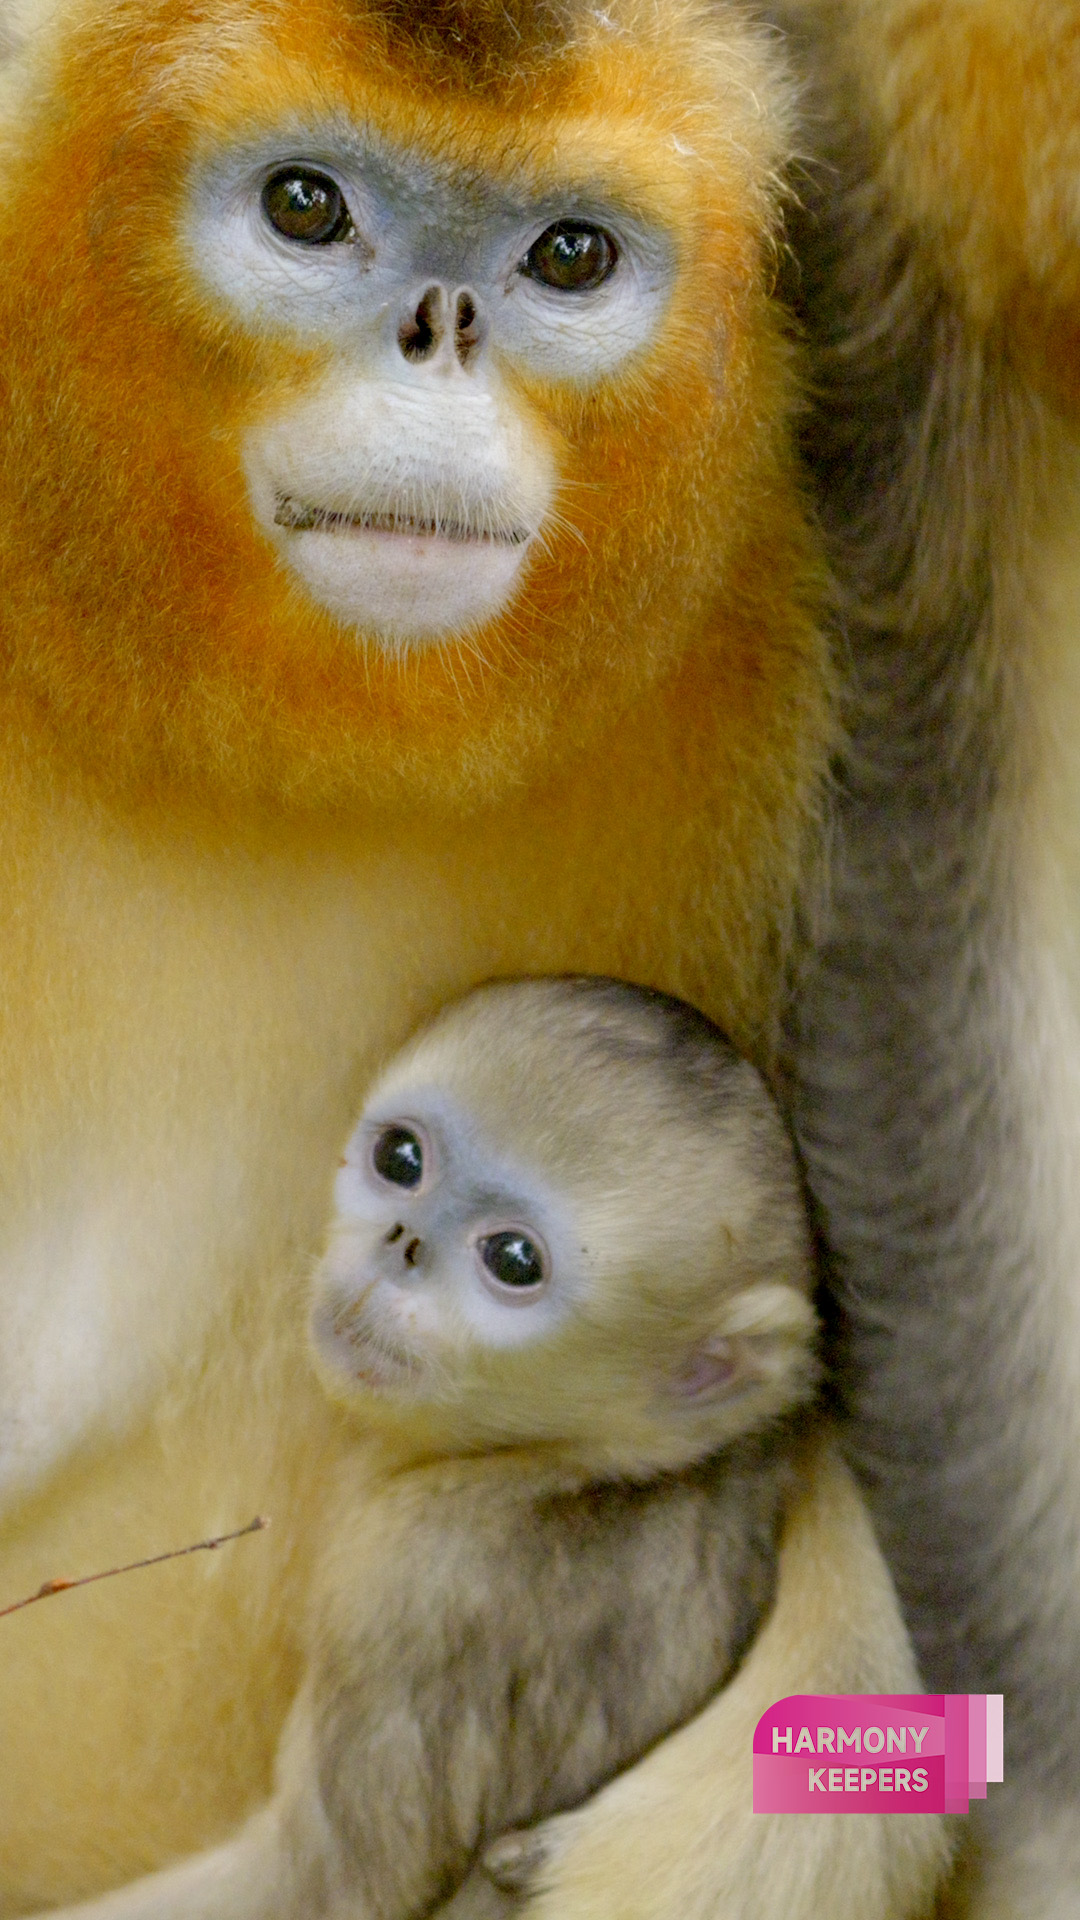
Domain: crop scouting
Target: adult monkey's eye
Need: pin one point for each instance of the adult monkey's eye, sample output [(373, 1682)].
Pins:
[(512, 1259), (571, 256), (306, 205), (397, 1156)]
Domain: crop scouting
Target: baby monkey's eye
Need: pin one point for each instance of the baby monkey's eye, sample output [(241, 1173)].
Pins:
[(571, 256), (306, 205), (512, 1259), (397, 1156)]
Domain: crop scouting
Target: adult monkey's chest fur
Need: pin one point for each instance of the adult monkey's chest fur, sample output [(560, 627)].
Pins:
[(204, 1019)]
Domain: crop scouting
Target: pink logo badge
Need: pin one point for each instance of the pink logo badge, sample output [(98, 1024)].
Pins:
[(877, 1752)]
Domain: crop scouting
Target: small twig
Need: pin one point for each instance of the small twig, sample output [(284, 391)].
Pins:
[(198, 1546)]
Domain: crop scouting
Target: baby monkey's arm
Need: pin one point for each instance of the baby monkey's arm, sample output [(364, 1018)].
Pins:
[(524, 1640)]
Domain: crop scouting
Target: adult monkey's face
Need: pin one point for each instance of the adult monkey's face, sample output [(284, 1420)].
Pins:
[(396, 409)]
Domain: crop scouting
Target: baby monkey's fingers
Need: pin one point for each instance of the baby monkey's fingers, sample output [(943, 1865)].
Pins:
[(514, 1860), (481, 1898)]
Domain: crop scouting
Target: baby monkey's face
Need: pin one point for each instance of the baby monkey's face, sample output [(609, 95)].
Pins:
[(441, 1248), (534, 1242)]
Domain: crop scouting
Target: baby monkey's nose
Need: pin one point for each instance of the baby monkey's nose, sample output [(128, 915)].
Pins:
[(410, 1252)]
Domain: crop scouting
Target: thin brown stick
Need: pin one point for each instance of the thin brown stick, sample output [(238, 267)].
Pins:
[(87, 1579)]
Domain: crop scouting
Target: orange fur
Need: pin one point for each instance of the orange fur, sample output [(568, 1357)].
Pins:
[(242, 854), (976, 105), (181, 636)]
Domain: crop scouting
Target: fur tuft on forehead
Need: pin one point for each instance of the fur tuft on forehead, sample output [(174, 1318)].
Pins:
[(622, 1024), (481, 38), (629, 1053)]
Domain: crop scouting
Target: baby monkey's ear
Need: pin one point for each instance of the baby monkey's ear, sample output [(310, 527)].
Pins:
[(764, 1335)]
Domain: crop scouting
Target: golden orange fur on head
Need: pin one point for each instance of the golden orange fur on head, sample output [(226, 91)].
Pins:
[(483, 39), (151, 606)]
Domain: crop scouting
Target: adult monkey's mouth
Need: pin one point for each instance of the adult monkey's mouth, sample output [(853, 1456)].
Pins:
[(407, 542), (401, 564), (299, 517)]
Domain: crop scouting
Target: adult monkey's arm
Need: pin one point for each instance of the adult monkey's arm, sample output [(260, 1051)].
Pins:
[(939, 281), (676, 1839)]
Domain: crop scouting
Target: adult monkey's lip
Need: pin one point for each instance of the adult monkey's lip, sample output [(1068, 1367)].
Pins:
[(299, 517)]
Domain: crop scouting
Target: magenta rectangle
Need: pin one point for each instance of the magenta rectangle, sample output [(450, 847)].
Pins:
[(852, 1753), (956, 1753), (977, 1745), (797, 1786), (877, 1752)]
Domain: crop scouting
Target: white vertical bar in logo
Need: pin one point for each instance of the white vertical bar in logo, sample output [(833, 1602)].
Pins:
[(995, 1736)]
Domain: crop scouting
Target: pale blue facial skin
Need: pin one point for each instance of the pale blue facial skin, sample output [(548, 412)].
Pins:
[(408, 1319), (406, 1266), (407, 487), (420, 224)]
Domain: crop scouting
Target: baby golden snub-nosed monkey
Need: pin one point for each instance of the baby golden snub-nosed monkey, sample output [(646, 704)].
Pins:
[(568, 1286), (568, 1255)]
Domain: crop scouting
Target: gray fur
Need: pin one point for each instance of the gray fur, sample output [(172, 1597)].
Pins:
[(568, 1632), (927, 457)]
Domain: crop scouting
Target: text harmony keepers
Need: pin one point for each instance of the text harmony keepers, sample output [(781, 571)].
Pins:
[(891, 1779)]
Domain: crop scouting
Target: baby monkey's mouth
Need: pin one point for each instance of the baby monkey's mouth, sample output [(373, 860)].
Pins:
[(346, 1334), (378, 1365), (299, 517)]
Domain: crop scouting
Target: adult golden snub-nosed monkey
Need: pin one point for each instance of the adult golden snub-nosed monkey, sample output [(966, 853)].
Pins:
[(404, 583), (939, 286)]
